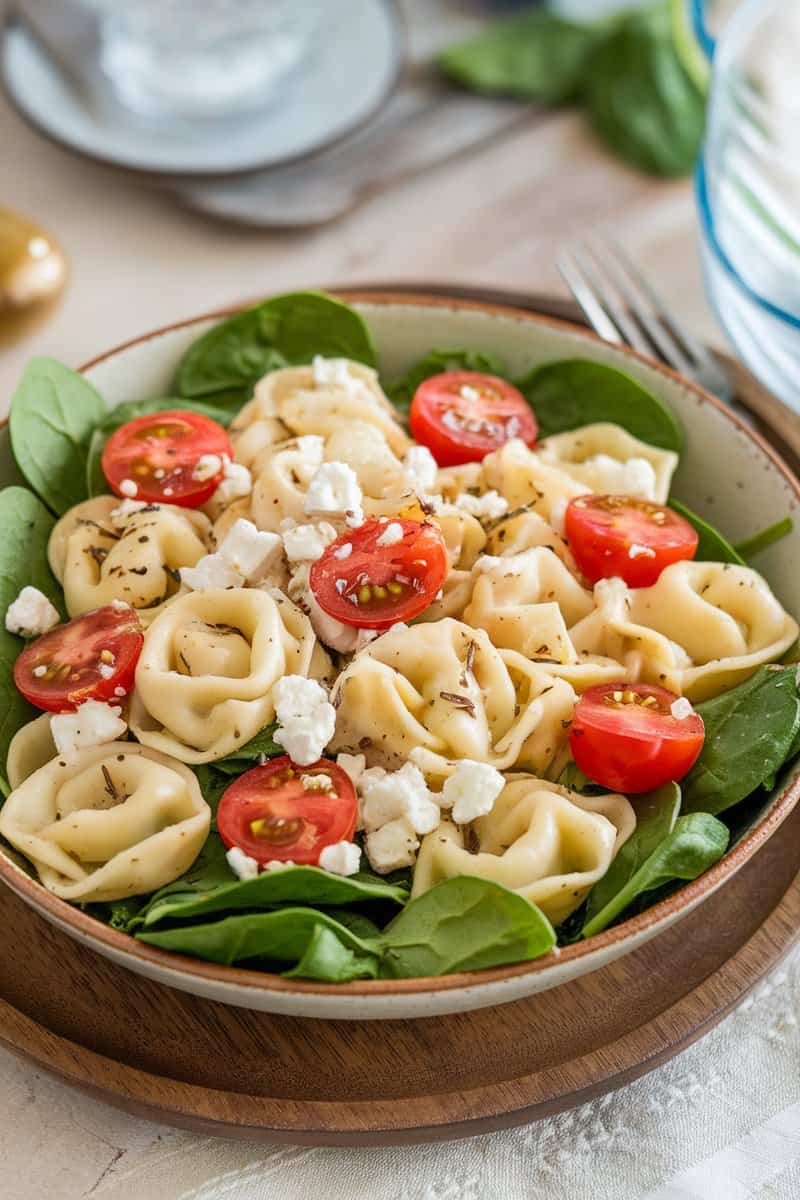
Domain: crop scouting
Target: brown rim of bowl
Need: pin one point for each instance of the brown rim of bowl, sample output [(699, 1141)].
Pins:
[(90, 929), (399, 67)]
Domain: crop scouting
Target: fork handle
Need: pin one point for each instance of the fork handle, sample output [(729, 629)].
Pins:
[(702, 33)]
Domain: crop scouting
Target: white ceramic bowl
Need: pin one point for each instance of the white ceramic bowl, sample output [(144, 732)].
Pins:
[(727, 473)]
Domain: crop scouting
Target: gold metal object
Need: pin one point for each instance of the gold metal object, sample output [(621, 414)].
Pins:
[(33, 275)]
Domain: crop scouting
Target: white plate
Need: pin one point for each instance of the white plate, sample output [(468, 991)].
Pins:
[(727, 473), (345, 80)]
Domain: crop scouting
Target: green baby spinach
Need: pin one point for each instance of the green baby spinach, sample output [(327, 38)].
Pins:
[(327, 959), (712, 546), (401, 392), (95, 479), (750, 733), (26, 526), (573, 392), (641, 100), (279, 332), (656, 814), (307, 885), (462, 924), (762, 541), (696, 842), (53, 414), (251, 753), (535, 56)]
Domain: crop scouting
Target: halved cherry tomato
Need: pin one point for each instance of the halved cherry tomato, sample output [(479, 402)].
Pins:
[(622, 535), (275, 813), (625, 737), (377, 580), (461, 416), (159, 453), (93, 657)]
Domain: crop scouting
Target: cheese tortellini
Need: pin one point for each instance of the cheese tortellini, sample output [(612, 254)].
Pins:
[(547, 843), (205, 676), (610, 461), (107, 822), (700, 629), (135, 556), (320, 400), (436, 693)]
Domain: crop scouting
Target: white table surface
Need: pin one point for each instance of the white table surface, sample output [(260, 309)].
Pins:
[(720, 1121)]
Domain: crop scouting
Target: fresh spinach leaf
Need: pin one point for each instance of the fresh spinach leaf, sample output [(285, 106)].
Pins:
[(656, 814), (53, 414), (572, 777), (712, 546), (762, 541), (95, 479), (463, 924), (573, 392), (328, 959), (251, 753), (640, 98), (307, 885), (285, 330), (697, 841), (282, 935), (26, 526), (535, 56), (750, 731), (401, 392)]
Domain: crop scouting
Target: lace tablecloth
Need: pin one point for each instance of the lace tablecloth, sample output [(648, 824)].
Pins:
[(719, 1122)]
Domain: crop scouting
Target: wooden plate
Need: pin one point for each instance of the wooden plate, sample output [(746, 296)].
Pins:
[(173, 1057)]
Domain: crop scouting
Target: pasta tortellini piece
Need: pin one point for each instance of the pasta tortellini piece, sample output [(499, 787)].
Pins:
[(205, 676), (436, 693), (610, 461), (108, 822), (699, 630), (547, 843), (136, 557), (464, 538), (525, 529), (524, 480), (318, 399), (31, 747)]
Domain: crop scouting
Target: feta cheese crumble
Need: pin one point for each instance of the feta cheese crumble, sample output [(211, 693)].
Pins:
[(637, 551), (317, 783), (211, 572), (307, 543), (206, 467), (252, 552), (305, 716), (392, 846), (489, 506), (92, 724), (634, 477), (392, 534), (334, 489), (129, 488), (242, 865), (388, 795), (343, 858), (471, 790), (236, 482), (681, 708), (353, 766), (335, 371), (120, 514), (344, 551), (421, 468), (31, 614)]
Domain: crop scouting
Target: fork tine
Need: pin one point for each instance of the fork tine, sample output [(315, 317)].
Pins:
[(693, 347), (640, 301), (581, 289), (609, 300)]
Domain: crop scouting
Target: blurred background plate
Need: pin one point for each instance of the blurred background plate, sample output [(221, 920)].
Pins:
[(347, 77)]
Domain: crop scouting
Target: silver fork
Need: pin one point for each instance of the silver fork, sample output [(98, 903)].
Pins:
[(622, 307)]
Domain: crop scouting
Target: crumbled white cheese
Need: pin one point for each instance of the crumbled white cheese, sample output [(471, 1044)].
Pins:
[(353, 766), (129, 488), (252, 552), (344, 551), (635, 477), (40, 671), (470, 394), (120, 605), (211, 572), (92, 724), (489, 506), (343, 858), (206, 467), (317, 783), (236, 482), (392, 534), (387, 795), (334, 489), (120, 514), (681, 708), (392, 846), (471, 790), (106, 670), (31, 614), (242, 865), (305, 716), (421, 468), (335, 371), (307, 543), (278, 864), (637, 551)]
